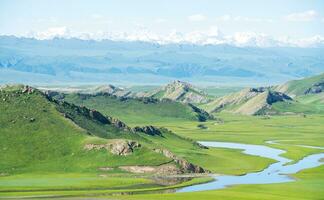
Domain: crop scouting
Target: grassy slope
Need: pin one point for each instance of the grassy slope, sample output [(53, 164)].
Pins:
[(298, 87), (52, 143), (308, 104), (249, 130), (40, 149), (134, 111)]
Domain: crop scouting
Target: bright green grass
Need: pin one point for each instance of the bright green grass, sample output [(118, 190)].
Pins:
[(217, 160), (298, 87), (51, 143), (307, 104), (292, 130), (67, 181), (133, 111), (81, 185), (256, 130), (309, 186), (59, 151)]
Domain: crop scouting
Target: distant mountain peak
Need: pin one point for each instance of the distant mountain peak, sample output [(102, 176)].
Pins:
[(177, 84), (181, 91)]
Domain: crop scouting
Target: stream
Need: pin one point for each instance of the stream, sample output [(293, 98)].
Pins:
[(275, 173)]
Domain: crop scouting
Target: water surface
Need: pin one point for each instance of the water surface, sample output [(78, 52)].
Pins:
[(275, 173)]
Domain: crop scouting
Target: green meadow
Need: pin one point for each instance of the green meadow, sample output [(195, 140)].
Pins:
[(42, 147)]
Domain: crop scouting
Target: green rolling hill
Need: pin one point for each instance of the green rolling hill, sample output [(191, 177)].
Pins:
[(310, 85), (308, 94), (145, 110), (42, 135)]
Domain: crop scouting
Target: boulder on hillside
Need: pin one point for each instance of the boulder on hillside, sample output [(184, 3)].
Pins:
[(116, 146)]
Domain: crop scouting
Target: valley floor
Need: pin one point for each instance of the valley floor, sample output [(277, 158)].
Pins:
[(291, 131)]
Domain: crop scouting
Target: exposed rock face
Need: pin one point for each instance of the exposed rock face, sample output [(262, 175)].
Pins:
[(251, 101), (261, 103), (316, 88), (92, 114), (119, 124), (201, 114), (179, 91), (117, 146), (98, 116), (185, 166), (233, 99), (258, 90), (149, 130), (52, 94), (123, 147), (274, 97), (27, 89)]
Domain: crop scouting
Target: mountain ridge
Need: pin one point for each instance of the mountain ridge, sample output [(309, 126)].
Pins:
[(32, 61)]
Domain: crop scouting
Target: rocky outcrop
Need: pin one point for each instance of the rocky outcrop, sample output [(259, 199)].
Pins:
[(98, 116), (258, 90), (69, 110), (118, 124), (27, 89), (116, 147), (316, 88), (185, 166), (250, 101), (178, 91), (149, 130), (202, 115), (274, 97)]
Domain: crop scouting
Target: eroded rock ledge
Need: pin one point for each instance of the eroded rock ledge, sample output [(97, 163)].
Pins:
[(149, 130), (116, 147), (185, 166)]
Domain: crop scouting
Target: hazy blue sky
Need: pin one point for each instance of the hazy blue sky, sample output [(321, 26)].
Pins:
[(298, 18)]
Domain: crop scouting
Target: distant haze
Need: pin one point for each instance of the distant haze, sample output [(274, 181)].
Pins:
[(74, 61)]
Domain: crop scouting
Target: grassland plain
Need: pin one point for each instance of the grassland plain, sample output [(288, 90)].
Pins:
[(309, 186), (217, 160), (289, 130), (42, 150)]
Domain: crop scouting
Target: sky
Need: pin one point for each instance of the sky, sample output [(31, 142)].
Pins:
[(248, 22)]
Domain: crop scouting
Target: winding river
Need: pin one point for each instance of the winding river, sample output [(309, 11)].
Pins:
[(275, 173)]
